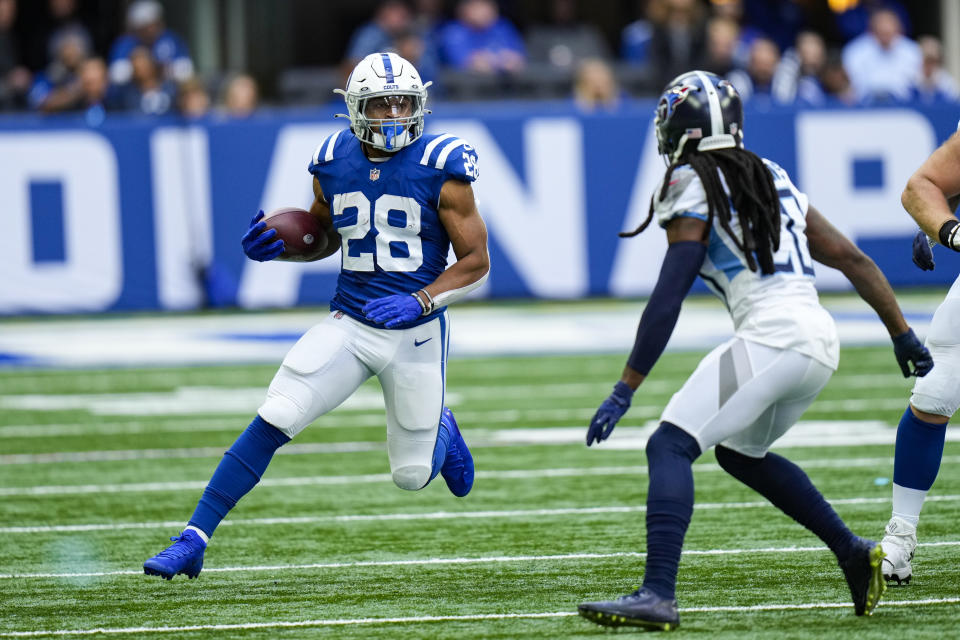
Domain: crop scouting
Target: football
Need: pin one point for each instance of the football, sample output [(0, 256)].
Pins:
[(303, 237)]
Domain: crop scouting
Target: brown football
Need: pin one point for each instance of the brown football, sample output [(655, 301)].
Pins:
[(303, 237)]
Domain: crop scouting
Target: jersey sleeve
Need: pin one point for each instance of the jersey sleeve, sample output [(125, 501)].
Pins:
[(685, 197), (453, 156), (785, 186), (324, 154)]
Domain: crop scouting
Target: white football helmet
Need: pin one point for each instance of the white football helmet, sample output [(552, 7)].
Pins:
[(381, 76)]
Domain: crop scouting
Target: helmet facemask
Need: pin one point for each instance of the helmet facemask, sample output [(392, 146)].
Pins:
[(389, 121), (386, 102)]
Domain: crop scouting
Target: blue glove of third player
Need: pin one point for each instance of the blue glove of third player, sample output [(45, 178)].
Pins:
[(908, 348), (392, 311), (258, 244), (922, 253), (610, 411)]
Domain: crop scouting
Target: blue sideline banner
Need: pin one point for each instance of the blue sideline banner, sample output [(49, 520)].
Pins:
[(144, 214)]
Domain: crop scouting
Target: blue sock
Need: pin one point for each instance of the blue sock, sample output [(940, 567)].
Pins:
[(237, 473), (789, 489), (440, 448), (918, 452), (670, 454)]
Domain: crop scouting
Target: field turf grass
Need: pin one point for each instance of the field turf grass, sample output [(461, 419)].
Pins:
[(327, 547)]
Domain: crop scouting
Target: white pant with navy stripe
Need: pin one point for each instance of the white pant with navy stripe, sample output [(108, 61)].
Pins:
[(335, 357), (745, 395)]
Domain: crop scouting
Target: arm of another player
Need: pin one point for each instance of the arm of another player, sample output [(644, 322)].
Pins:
[(830, 247), (933, 192), (320, 209), (685, 253)]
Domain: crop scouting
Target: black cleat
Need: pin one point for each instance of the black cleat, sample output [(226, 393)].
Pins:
[(642, 608), (865, 576)]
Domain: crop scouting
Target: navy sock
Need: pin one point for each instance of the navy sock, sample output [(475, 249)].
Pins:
[(918, 452), (238, 472), (670, 454), (440, 448), (789, 489)]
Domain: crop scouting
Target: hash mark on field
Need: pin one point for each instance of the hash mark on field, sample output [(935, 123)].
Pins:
[(433, 515), (506, 474), (454, 561), (461, 618)]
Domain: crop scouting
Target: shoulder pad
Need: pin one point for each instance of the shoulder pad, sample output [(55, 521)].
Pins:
[(451, 155), (326, 151), (685, 197)]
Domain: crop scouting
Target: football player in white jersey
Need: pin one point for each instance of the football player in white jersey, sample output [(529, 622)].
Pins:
[(739, 222), (931, 198), (394, 200)]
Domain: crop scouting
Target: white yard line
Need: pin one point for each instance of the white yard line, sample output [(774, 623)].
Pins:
[(453, 561), (432, 515), (371, 478), (345, 622), (809, 433)]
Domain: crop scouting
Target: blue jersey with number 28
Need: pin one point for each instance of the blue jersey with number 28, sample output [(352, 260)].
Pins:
[(386, 214)]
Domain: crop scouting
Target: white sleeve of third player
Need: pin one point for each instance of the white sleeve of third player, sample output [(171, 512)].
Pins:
[(685, 197)]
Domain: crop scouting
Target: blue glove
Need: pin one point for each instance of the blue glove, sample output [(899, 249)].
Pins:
[(922, 253), (392, 311), (907, 348), (257, 243), (610, 411)]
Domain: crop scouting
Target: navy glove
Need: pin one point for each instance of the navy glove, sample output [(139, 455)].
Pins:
[(922, 253), (392, 311), (610, 411), (907, 348), (259, 245)]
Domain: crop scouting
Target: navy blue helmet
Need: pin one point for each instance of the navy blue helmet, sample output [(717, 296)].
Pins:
[(698, 111)]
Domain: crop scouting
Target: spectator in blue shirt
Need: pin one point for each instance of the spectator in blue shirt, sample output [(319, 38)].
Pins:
[(56, 87), (755, 83), (148, 92), (146, 29), (482, 41), (797, 80), (934, 84), (391, 18)]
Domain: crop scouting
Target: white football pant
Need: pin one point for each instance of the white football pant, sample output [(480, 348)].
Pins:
[(745, 395), (938, 392), (332, 360)]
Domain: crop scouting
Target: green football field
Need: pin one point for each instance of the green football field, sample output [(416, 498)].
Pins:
[(99, 468)]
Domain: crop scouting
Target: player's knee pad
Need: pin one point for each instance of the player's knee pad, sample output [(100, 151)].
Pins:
[(938, 392), (283, 413), (412, 477)]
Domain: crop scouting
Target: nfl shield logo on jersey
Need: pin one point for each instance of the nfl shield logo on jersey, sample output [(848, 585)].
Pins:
[(374, 174)]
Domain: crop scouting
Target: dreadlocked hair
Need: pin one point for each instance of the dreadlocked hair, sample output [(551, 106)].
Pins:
[(752, 194)]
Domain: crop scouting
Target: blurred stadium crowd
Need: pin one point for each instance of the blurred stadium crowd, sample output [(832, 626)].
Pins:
[(791, 52)]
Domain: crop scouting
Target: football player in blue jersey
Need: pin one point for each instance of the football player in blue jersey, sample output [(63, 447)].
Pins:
[(393, 200), (931, 198), (738, 221)]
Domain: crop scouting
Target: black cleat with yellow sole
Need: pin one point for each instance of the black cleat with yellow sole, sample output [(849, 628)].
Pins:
[(864, 573), (642, 608)]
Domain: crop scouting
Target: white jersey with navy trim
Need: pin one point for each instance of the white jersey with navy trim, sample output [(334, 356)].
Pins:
[(779, 310)]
